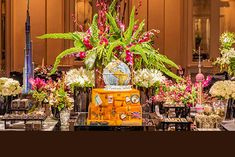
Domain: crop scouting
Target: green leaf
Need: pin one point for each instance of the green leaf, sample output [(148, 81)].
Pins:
[(63, 54), (158, 57), (140, 29), (95, 30), (68, 36), (163, 69), (128, 34), (91, 58), (78, 43), (113, 23), (111, 48), (78, 35), (112, 6), (140, 51), (164, 59)]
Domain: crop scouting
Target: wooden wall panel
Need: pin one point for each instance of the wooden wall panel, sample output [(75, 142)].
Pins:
[(171, 17), (173, 29), (142, 11), (38, 23), (37, 13), (55, 24), (18, 20), (215, 29), (156, 21)]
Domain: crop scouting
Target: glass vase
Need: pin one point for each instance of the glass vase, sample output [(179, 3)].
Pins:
[(64, 118), (220, 108), (229, 110)]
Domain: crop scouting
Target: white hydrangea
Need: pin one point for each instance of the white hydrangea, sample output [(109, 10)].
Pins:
[(80, 77), (148, 77), (9, 87), (224, 89)]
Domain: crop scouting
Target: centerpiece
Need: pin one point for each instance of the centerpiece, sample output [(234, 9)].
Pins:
[(224, 91), (9, 89), (109, 39), (227, 59), (227, 63), (114, 51), (81, 83)]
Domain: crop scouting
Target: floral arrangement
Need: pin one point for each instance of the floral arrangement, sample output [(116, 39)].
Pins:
[(148, 78), (80, 78), (38, 90), (227, 59), (109, 38), (182, 92), (61, 99), (9, 87), (223, 89), (55, 93), (43, 72)]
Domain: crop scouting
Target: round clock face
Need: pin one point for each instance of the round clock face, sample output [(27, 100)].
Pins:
[(123, 116), (135, 99)]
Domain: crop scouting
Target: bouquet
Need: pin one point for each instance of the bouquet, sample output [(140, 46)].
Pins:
[(9, 87), (223, 89), (43, 72), (38, 90), (226, 61), (60, 99), (108, 38), (80, 78), (148, 78), (183, 92)]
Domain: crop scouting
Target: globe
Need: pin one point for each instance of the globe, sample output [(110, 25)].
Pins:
[(116, 73)]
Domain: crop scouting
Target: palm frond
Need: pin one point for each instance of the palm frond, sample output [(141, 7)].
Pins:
[(112, 6), (111, 48), (91, 58), (95, 30), (62, 55), (129, 31), (137, 49), (140, 29), (113, 23), (68, 36)]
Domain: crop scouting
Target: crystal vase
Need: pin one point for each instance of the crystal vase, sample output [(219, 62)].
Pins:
[(64, 117), (220, 108), (229, 110)]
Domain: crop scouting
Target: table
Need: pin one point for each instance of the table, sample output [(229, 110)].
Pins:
[(48, 125), (180, 110), (228, 125), (81, 125), (181, 125), (6, 119), (19, 110)]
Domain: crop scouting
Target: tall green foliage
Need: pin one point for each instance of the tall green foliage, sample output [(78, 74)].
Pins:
[(104, 46)]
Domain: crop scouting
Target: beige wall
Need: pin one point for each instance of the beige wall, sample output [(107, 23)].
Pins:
[(228, 19), (166, 16), (37, 9), (47, 16), (171, 17)]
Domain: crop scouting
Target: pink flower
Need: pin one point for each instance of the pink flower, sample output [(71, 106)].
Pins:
[(119, 48), (104, 41), (37, 84), (81, 55), (87, 43), (129, 57)]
